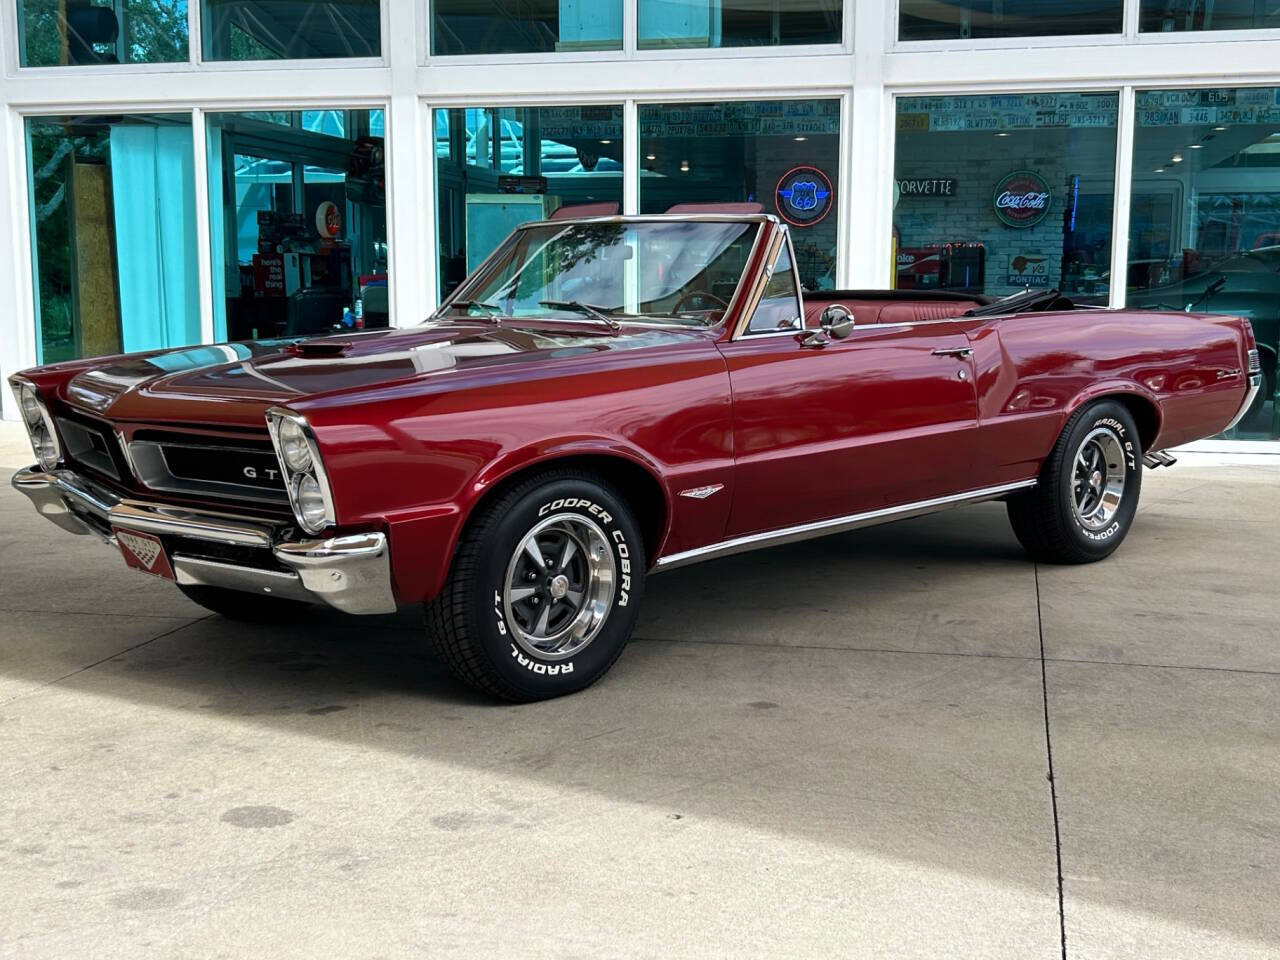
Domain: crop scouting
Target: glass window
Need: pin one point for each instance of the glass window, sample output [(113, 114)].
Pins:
[(1173, 16), (536, 26), (113, 209), (683, 272), (290, 29), (779, 306), (771, 156), (994, 194), (982, 19), (299, 222), (498, 167), (738, 23), (66, 32), (1204, 226)]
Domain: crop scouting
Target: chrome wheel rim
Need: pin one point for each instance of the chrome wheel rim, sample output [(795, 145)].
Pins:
[(1098, 479), (559, 586)]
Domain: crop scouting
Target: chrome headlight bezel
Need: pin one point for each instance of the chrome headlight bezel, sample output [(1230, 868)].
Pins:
[(27, 396), (277, 416)]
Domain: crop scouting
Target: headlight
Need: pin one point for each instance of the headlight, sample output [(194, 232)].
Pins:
[(293, 447), (304, 475), (44, 442), (30, 404), (46, 449), (308, 501)]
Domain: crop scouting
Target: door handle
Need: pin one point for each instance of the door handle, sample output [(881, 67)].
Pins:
[(953, 352)]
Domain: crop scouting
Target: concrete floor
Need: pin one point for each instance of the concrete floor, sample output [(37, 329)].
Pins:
[(830, 749)]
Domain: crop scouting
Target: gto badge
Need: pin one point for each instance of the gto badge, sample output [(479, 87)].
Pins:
[(252, 473), (701, 493)]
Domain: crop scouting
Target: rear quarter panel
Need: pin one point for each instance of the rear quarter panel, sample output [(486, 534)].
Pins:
[(1035, 370), (417, 457)]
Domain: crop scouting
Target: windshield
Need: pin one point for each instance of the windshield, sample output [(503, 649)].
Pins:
[(673, 271)]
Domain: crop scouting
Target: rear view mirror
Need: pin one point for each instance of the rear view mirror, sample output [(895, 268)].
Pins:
[(836, 321)]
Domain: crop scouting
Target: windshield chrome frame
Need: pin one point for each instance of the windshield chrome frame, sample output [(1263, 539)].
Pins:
[(763, 220)]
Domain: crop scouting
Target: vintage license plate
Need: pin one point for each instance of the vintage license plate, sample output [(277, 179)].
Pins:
[(144, 552)]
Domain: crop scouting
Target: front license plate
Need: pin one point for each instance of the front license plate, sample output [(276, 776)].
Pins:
[(144, 552)]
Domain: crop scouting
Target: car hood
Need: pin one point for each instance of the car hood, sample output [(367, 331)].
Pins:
[(237, 381)]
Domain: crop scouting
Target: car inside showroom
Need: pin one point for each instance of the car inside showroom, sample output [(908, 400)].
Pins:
[(412, 340)]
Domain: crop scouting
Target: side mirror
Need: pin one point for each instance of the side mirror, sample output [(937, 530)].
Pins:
[(836, 321)]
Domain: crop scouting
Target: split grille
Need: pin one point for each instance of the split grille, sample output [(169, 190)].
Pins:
[(196, 465)]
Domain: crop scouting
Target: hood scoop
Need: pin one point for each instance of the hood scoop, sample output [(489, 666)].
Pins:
[(322, 348)]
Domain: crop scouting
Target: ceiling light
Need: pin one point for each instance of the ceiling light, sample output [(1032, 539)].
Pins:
[(1196, 146), (650, 156), (606, 141), (1176, 158), (799, 139), (1002, 134), (684, 166), (1219, 129), (1159, 169)]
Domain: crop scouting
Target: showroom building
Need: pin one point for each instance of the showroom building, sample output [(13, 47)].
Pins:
[(183, 172)]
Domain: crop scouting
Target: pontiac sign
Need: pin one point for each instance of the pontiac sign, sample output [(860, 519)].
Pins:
[(1021, 199)]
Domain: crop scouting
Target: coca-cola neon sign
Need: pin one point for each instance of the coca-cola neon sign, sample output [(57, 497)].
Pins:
[(1021, 199)]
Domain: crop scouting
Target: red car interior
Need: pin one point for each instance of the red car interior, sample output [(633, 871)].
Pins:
[(870, 306)]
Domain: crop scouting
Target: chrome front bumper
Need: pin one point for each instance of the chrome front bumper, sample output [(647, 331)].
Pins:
[(351, 573)]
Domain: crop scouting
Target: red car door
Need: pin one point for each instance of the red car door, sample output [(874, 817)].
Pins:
[(884, 417)]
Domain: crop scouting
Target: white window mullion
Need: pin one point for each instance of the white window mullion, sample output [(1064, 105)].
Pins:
[(410, 167), (867, 155), (630, 157), (422, 233), (204, 231), (1123, 194), (17, 335), (844, 174), (630, 27), (195, 48), (1132, 9)]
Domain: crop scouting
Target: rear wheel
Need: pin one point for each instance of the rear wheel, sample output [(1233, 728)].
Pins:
[(543, 591), (1084, 504)]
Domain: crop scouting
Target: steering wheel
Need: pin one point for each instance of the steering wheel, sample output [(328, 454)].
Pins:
[(693, 294)]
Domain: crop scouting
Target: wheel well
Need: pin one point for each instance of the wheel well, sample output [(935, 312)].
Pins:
[(641, 489), (1144, 412)]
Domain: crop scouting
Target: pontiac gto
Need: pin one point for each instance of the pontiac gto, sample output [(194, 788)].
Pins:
[(604, 399)]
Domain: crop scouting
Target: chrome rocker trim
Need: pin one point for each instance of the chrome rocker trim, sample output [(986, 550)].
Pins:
[(822, 528), (351, 573)]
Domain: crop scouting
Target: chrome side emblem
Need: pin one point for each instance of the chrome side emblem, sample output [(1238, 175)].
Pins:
[(701, 493)]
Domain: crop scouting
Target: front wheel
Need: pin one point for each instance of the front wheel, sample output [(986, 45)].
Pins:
[(544, 588), (1084, 504)]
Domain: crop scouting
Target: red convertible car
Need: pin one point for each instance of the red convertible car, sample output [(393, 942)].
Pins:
[(602, 400)]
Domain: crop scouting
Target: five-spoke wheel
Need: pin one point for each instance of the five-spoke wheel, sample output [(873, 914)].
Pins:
[(559, 586), (1099, 479)]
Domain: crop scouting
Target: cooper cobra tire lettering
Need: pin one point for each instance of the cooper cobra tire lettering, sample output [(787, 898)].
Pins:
[(597, 511)]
